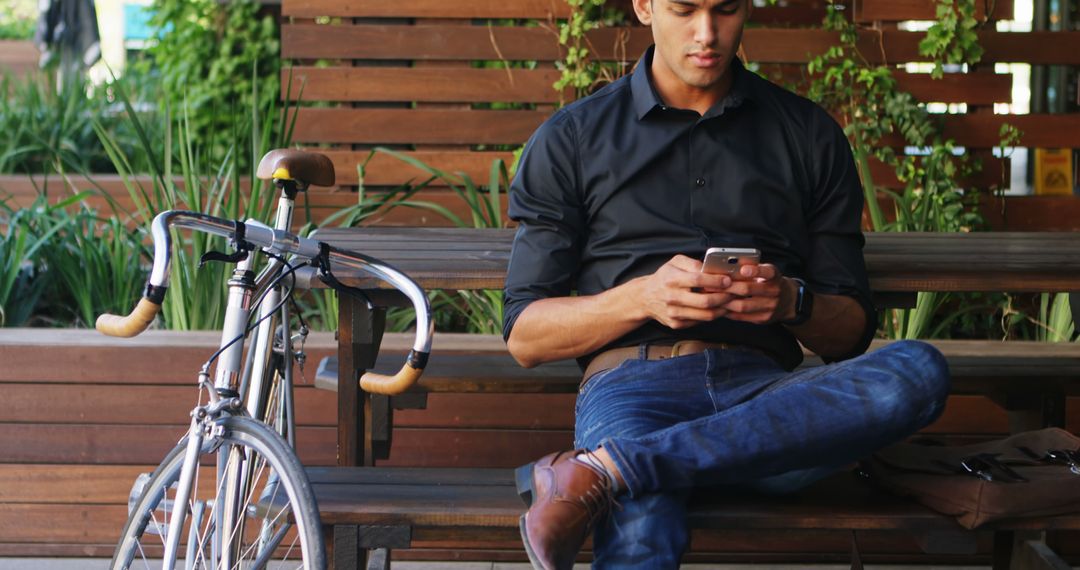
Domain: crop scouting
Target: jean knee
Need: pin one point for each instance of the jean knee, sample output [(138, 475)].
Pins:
[(923, 372), (928, 368)]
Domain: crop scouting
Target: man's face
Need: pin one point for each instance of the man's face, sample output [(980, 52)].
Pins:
[(695, 39)]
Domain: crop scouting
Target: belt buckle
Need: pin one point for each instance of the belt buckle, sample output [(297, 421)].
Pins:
[(676, 349)]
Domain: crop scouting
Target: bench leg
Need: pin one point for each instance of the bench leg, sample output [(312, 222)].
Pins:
[(346, 547), (378, 559), (360, 331), (1025, 551), (1036, 555)]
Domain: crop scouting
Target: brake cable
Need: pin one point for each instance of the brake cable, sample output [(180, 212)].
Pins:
[(322, 262)]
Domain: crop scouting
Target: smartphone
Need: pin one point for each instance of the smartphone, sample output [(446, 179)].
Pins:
[(728, 259)]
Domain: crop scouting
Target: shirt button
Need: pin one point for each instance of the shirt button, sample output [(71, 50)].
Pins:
[(700, 182)]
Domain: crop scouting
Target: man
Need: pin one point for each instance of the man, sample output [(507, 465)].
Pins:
[(688, 378)]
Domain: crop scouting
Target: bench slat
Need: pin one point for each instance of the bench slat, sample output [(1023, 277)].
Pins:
[(764, 45), (840, 502), (455, 258), (474, 126), (492, 370), (466, 84)]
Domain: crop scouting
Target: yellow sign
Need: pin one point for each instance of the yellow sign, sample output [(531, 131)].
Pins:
[(1053, 171)]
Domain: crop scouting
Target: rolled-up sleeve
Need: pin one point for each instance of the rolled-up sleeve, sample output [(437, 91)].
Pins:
[(836, 265), (545, 200)]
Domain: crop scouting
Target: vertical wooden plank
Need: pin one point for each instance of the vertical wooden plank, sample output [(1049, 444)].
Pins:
[(359, 337), (348, 390), (382, 421), (369, 323)]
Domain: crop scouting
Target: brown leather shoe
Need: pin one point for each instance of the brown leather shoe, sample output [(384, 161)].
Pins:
[(569, 496)]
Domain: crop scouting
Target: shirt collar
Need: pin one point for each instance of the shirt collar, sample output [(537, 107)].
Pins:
[(646, 99)]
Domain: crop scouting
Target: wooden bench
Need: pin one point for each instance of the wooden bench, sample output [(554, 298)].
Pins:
[(369, 517), (379, 509)]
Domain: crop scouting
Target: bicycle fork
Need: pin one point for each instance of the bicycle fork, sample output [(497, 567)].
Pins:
[(183, 492), (201, 427)]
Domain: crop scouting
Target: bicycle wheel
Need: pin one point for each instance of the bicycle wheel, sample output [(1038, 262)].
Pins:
[(278, 524)]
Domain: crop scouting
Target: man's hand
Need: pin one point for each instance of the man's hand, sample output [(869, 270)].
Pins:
[(679, 295), (760, 295)]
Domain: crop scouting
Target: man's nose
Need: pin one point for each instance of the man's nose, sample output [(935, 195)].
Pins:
[(705, 29)]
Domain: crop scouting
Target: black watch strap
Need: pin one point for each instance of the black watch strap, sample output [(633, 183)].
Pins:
[(804, 304)]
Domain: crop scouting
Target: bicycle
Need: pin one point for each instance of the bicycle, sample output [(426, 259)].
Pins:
[(261, 507)]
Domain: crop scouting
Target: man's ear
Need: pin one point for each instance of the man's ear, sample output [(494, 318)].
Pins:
[(643, 9)]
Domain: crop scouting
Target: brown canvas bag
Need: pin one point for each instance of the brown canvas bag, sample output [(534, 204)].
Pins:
[(1034, 473)]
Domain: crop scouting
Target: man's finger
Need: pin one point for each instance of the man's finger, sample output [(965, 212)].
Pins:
[(685, 263), (766, 271), (750, 305), (689, 314), (758, 318), (754, 288), (703, 300)]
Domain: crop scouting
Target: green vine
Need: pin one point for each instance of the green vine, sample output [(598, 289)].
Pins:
[(580, 70), (953, 38), (872, 107)]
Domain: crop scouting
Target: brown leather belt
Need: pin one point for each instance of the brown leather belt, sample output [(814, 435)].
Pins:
[(611, 358)]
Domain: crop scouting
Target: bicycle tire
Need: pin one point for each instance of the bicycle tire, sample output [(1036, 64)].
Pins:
[(261, 445)]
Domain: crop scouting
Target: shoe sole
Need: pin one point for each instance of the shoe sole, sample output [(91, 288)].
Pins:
[(528, 547), (523, 480)]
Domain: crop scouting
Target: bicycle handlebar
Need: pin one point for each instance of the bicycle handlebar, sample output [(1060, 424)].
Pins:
[(253, 234), (132, 324)]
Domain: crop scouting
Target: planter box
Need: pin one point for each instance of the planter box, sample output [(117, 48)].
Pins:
[(18, 57)]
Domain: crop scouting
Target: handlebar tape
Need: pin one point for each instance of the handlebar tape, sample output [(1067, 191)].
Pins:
[(131, 325), (376, 383)]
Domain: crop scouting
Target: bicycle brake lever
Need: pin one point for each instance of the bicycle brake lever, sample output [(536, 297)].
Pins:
[(235, 257)]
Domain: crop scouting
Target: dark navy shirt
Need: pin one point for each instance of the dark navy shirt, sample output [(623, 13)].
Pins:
[(614, 185)]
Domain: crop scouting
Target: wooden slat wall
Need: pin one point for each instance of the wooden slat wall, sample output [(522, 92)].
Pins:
[(381, 89), (1013, 213)]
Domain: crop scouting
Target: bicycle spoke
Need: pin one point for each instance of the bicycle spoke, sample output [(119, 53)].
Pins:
[(248, 503), (288, 551), (142, 555), (204, 537), (260, 484)]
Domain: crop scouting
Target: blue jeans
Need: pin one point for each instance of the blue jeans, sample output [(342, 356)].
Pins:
[(733, 417)]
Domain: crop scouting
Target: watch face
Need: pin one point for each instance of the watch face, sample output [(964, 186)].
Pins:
[(803, 304)]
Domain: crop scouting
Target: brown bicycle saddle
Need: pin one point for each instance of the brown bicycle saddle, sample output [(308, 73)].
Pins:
[(302, 166)]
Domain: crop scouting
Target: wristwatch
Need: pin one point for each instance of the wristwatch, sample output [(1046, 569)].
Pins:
[(804, 304)]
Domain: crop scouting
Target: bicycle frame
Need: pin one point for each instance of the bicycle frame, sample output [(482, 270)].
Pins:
[(250, 380)]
